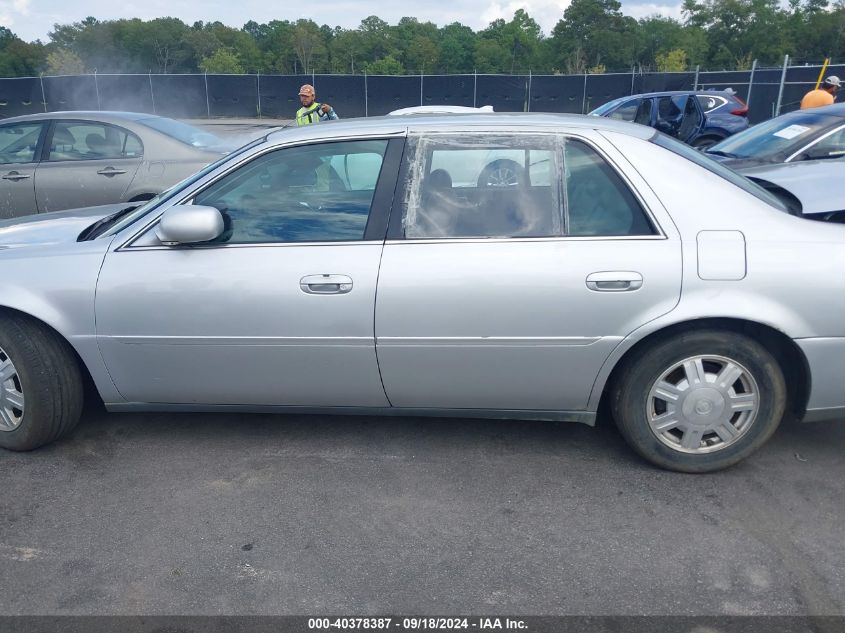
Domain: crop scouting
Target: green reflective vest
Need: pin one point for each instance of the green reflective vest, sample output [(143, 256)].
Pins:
[(304, 116)]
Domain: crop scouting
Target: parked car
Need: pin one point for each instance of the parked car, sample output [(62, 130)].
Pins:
[(344, 268), (814, 134), (808, 188), (62, 160), (698, 118)]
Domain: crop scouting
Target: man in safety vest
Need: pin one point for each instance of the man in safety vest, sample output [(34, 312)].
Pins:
[(311, 111), (823, 97)]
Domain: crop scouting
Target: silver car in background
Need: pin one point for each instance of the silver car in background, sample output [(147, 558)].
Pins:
[(63, 160), (351, 268)]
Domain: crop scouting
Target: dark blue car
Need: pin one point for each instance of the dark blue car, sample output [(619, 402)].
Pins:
[(699, 118)]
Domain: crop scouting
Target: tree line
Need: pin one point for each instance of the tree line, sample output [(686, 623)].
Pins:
[(592, 36)]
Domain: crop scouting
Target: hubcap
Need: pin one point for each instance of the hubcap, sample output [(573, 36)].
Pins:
[(502, 176), (703, 404), (11, 395)]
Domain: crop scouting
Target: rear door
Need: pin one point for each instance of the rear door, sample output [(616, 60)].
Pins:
[(510, 294), (20, 147), (87, 163)]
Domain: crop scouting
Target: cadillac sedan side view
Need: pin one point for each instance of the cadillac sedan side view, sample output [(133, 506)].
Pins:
[(380, 267)]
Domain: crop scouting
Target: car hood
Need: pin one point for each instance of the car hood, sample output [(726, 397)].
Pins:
[(51, 228), (812, 182)]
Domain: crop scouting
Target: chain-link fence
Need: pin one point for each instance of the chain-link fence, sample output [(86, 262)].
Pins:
[(768, 90)]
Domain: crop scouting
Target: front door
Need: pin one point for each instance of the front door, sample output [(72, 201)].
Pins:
[(511, 295), (88, 163), (20, 146), (279, 309)]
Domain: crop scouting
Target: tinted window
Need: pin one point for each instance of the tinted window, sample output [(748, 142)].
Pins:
[(710, 102), (831, 146), (627, 111), (18, 142), (482, 186), (783, 134), (89, 140), (315, 193), (598, 202), (175, 190)]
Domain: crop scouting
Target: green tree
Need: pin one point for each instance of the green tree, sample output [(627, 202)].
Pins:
[(421, 55), (61, 61), (672, 61), (457, 45), (594, 32), (491, 57), (307, 42), (347, 51), (222, 62), (19, 58), (388, 65), (739, 30)]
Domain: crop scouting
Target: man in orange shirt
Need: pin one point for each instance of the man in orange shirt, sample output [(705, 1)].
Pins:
[(823, 97)]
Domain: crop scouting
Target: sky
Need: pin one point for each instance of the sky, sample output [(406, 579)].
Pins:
[(33, 19)]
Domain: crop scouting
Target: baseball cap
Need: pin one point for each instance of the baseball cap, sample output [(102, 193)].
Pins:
[(308, 89), (833, 80)]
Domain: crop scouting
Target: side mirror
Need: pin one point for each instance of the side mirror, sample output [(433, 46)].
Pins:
[(189, 224)]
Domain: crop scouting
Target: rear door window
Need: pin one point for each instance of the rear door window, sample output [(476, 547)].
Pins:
[(90, 140), (484, 185), (598, 202)]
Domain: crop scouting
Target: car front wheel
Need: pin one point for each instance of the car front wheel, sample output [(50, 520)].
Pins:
[(700, 401), (40, 384)]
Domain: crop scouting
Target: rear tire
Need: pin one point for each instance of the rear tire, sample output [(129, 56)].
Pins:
[(41, 388), (699, 401), (704, 143)]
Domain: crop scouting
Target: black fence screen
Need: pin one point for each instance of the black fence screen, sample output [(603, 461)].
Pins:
[(276, 96)]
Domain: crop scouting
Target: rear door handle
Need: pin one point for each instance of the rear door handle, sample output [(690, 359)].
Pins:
[(325, 284), (13, 175), (111, 171), (615, 281)]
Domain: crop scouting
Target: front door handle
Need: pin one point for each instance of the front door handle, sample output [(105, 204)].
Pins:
[(14, 175), (615, 281), (325, 284), (111, 171)]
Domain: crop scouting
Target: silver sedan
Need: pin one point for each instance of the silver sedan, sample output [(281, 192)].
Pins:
[(63, 160), (387, 267)]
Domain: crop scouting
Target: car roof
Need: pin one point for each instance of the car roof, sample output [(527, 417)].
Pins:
[(672, 93), (96, 115), (499, 121)]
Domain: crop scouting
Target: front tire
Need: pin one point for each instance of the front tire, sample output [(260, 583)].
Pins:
[(41, 389), (700, 401)]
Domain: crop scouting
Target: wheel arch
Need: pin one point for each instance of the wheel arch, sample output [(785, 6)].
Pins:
[(792, 361), (91, 385)]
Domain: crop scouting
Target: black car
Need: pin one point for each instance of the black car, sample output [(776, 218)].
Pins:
[(699, 118)]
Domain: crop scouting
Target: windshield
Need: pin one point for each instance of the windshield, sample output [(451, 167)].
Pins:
[(682, 149), (182, 132), (784, 134), (604, 109), (174, 190)]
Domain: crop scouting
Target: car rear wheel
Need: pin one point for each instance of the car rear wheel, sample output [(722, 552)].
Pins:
[(704, 143), (700, 401), (40, 384)]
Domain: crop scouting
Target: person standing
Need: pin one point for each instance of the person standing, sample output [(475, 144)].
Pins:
[(312, 111), (823, 96)]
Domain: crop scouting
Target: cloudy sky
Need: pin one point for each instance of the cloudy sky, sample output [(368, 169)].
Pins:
[(33, 19)]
